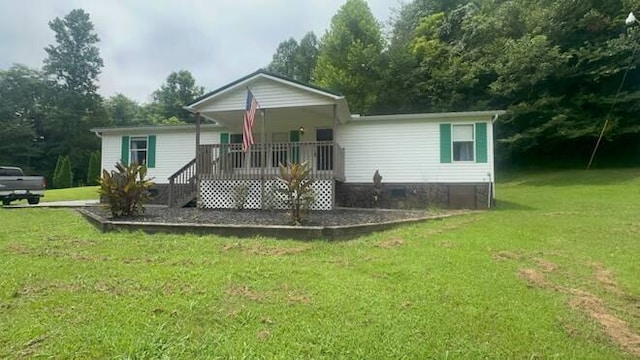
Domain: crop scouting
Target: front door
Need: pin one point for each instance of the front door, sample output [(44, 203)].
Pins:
[(324, 151)]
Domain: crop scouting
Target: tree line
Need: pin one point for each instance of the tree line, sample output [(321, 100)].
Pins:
[(560, 68), (46, 114)]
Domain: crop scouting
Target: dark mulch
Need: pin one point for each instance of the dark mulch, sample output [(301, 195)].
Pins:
[(267, 217)]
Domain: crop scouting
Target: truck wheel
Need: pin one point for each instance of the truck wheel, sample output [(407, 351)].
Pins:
[(6, 202), (33, 201)]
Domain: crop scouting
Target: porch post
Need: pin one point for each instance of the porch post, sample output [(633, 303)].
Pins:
[(335, 156), (198, 160), (263, 156)]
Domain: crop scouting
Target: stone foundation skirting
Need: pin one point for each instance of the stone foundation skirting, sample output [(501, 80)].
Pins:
[(415, 195)]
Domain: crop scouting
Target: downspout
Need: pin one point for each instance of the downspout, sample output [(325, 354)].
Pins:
[(492, 185)]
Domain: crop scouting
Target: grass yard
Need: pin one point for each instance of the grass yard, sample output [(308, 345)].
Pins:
[(552, 273), (76, 193)]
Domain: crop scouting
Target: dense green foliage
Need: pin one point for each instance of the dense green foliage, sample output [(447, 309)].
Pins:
[(556, 66), (63, 175), (48, 113), (296, 60), (93, 173), (125, 189), (452, 288), (349, 57), (179, 90)]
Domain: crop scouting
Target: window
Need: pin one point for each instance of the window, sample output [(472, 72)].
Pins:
[(462, 141), (138, 149)]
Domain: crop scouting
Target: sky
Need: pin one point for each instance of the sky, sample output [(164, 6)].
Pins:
[(143, 41)]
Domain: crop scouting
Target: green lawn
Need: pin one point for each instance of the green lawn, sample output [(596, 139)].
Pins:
[(552, 273), (77, 193)]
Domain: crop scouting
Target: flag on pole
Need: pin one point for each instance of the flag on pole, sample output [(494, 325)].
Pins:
[(249, 117)]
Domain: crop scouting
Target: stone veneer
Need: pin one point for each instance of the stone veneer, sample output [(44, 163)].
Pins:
[(413, 195)]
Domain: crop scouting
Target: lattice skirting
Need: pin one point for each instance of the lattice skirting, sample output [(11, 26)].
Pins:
[(229, 194)]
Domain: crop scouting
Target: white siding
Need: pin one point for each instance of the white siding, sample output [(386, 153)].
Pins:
[(406, 151), (269, 94), (173, 150)]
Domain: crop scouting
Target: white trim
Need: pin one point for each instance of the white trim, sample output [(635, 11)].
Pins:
[(153, 128), (473, 141), (428, 116), (193, 106)]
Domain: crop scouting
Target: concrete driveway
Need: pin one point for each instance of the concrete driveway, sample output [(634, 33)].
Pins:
[(61, 204)]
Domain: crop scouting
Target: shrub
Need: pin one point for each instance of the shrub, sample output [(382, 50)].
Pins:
[(56, 171), (298, 190), (63, 177), (93, 171), (125, 189)]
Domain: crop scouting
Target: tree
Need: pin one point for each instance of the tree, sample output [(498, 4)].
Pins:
[(296, 60), (74, 63), (123, 111), (24, 102), (283, 61), (349, 57), (179, 90), (93, 172), (64, 177)]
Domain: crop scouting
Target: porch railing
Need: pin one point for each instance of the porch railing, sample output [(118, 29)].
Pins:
[(228, 161), (182, 185)]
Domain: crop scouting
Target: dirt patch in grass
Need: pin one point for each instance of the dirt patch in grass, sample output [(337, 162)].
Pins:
[(31, 346), (263, 335), (617, 329), (265, 250), (18, 249), (449, 227), (244, 291), (546, 266), (534, 278), (604, 277), (298, 299), (506, 255), (390, 243)]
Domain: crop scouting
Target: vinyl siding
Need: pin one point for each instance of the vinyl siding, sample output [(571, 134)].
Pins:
[(406, 151), (173, 150), (269, 94)]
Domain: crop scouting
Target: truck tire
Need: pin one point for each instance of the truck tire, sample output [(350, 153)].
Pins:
[(6, 202), (33, 200)]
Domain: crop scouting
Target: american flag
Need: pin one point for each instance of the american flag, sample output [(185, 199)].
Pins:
[(249, 117)]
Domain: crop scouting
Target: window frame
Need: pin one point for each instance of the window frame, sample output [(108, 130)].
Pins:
[(132, 150), (473, 143)]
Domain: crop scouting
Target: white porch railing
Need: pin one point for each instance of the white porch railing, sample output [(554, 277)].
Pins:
[(228, 161)]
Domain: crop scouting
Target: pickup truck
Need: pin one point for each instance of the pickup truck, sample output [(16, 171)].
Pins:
[(15, 186)]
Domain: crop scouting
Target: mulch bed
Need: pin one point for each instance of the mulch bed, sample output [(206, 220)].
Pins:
[(339, 217)]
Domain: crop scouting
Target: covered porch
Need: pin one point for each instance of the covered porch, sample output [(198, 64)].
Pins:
[(294, 123)]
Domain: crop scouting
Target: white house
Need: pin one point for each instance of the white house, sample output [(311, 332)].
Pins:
[(430, 159)]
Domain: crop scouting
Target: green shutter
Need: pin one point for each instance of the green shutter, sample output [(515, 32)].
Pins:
[(224, 139), (124, 151), (294, 136), (151, 151), (481, 142), (445, 143)]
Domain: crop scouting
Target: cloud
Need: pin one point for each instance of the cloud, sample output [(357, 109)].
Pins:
[(142, 41)]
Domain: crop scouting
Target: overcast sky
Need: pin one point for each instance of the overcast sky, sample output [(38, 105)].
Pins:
[(141, 42)]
